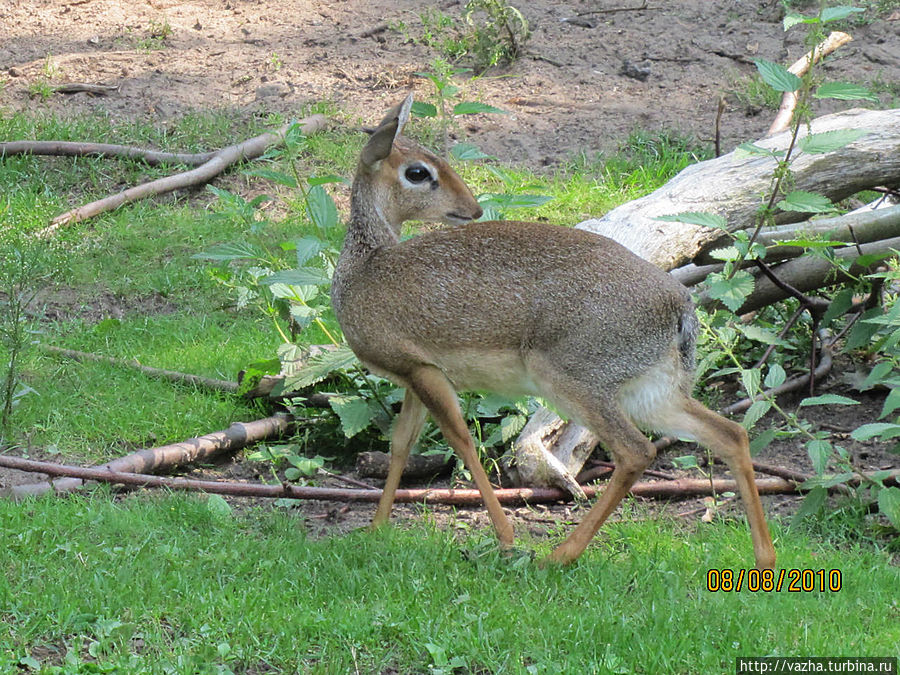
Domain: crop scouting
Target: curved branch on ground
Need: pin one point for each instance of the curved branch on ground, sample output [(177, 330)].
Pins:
[(221, 160)]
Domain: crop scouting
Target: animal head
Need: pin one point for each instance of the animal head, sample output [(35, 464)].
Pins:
[(407, 181)]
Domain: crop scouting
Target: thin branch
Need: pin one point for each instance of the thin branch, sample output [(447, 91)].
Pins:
[(221, 160), (615, 10), (77, 149), (685, 487), (160, 373)]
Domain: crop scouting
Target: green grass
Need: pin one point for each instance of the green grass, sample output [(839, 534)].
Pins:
[(165, 584), (137, 263)]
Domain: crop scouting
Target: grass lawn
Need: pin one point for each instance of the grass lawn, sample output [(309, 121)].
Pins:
[(166, 583), (163, 583)]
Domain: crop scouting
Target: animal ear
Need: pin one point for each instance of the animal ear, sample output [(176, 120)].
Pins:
[(382, 139)]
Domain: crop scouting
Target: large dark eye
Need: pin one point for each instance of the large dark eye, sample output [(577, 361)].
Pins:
[(417, 174)]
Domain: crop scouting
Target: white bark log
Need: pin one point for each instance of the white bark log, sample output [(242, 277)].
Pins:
[(733, 187)]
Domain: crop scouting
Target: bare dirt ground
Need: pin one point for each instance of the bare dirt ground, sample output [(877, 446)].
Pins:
[(588, 79)]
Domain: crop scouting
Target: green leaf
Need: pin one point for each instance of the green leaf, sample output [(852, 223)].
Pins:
[(512, 201), (755, 412), (819, 451), (775, 377), (354, 413), (230, 251), (761, 335), (882, 430), (730, 292), (307, 248), (828, 399), (324, 180), (891, 403), (304, 276), (473, 107), (466, 152), (751, 379), (421, 109), (889, 504), (726, 253), (319, 367), (806, 202), (791, 19), (752, 150), (829, 141), (762, 440), (511, 425), (862, 332), (777, 76), (274, 176), (845, 91), (840, 303), (877, 375), (701, 218), (812, 505), (685, 462), (837, 13), (218, 507), (320, 208), (868, 259)]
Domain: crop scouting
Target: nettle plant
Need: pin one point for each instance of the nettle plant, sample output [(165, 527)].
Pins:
[(289, 284), (864, 326)]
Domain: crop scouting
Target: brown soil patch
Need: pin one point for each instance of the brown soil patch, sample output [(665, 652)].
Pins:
[(586, 82)]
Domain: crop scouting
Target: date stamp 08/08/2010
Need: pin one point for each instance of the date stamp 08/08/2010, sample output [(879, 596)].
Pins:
[(770, 581)]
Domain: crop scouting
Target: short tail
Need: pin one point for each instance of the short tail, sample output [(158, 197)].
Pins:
[(688, 325)]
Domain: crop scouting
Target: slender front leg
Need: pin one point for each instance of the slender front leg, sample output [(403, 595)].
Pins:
[(435, 391), (407, 428)]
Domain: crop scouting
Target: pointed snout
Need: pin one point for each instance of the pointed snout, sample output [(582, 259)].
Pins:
[(460, 216)]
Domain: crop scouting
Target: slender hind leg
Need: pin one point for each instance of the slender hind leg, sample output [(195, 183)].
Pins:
[(632, 452), (729, 441), (407, 428), (438, 395)]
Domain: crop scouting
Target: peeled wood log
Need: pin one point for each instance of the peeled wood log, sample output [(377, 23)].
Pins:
[(731, 187), (238, 435)]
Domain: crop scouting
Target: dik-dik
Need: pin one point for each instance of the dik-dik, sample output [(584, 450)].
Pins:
[(518, 308)]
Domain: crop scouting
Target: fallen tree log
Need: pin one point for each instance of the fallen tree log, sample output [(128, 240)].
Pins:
[(731, 186), (671, 489), (238, 435), (807, 274), (859, 227)]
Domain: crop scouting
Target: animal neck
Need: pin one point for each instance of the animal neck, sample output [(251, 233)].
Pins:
[(370, 227)]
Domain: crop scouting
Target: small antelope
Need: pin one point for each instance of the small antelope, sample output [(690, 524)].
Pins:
[(522, 309)]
